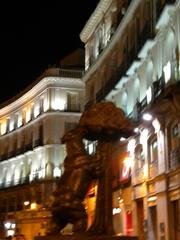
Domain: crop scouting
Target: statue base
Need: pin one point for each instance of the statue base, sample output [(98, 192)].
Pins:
[(84, 237)]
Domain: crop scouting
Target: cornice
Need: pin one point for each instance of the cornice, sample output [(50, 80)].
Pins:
[(40, 87), (94, 19)]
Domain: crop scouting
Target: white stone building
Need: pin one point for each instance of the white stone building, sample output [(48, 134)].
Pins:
[(132, 52), (31, 152)]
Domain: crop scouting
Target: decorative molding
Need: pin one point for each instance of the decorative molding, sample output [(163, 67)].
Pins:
[(39, 88), (94, 19)]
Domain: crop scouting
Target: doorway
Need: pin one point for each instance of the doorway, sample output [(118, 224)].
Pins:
[(153, 221), (140, 219), (176, 219)]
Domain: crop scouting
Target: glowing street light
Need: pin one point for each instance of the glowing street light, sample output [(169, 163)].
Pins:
[(147, 116)]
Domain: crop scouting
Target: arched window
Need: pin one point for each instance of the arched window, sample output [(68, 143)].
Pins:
[(139, 156), (174, 145), (175, 136), (153, 150), (153, 157)]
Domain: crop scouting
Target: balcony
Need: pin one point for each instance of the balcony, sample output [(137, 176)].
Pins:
[(175, 158), (153, 169), (158, 88), (38, 142), (70, 125), (28, 147), (63, 72), (14, 182), (72, 108), (11, 154), (20, 150), (3, 156), (24, 180)]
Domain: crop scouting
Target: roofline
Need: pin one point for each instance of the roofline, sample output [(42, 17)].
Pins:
[(94, 19)]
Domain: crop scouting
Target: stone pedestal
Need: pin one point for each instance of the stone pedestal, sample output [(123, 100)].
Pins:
[(84, 237)]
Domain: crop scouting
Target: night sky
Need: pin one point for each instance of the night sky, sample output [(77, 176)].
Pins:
[(36, 34)]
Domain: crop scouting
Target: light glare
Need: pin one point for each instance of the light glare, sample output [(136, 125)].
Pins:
[(147, 116)]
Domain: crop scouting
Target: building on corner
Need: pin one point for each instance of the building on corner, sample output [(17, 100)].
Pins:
[(132, 59), (31, 152)]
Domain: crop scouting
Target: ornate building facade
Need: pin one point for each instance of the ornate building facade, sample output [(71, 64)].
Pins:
[(31, 152), (132, 51)]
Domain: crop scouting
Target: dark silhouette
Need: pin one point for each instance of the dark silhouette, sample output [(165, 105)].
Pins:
[(104, 123)]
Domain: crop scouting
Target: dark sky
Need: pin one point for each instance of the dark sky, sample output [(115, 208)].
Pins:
[(35, 34)]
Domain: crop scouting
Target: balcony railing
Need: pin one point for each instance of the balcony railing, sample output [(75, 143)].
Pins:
[(157, 88), (72, 107), (28, 147), (3, 156), (63, 72), (69, 126), (175, 158), (11, 154), (22, 149), (14, 182), (38, 142)]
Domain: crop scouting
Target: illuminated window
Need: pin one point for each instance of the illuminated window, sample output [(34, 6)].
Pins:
[(19, 120), (36, 109), (33, 206), (72, 101), (154, 150), (55, 99), (10, 232), (28, 115), (91, 148), (58, 103), (11, 124), (167, 72), (175, 131), (57, 172), (139, 156), (149, 95), (3, 127), (45, 102), (175, 139)]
